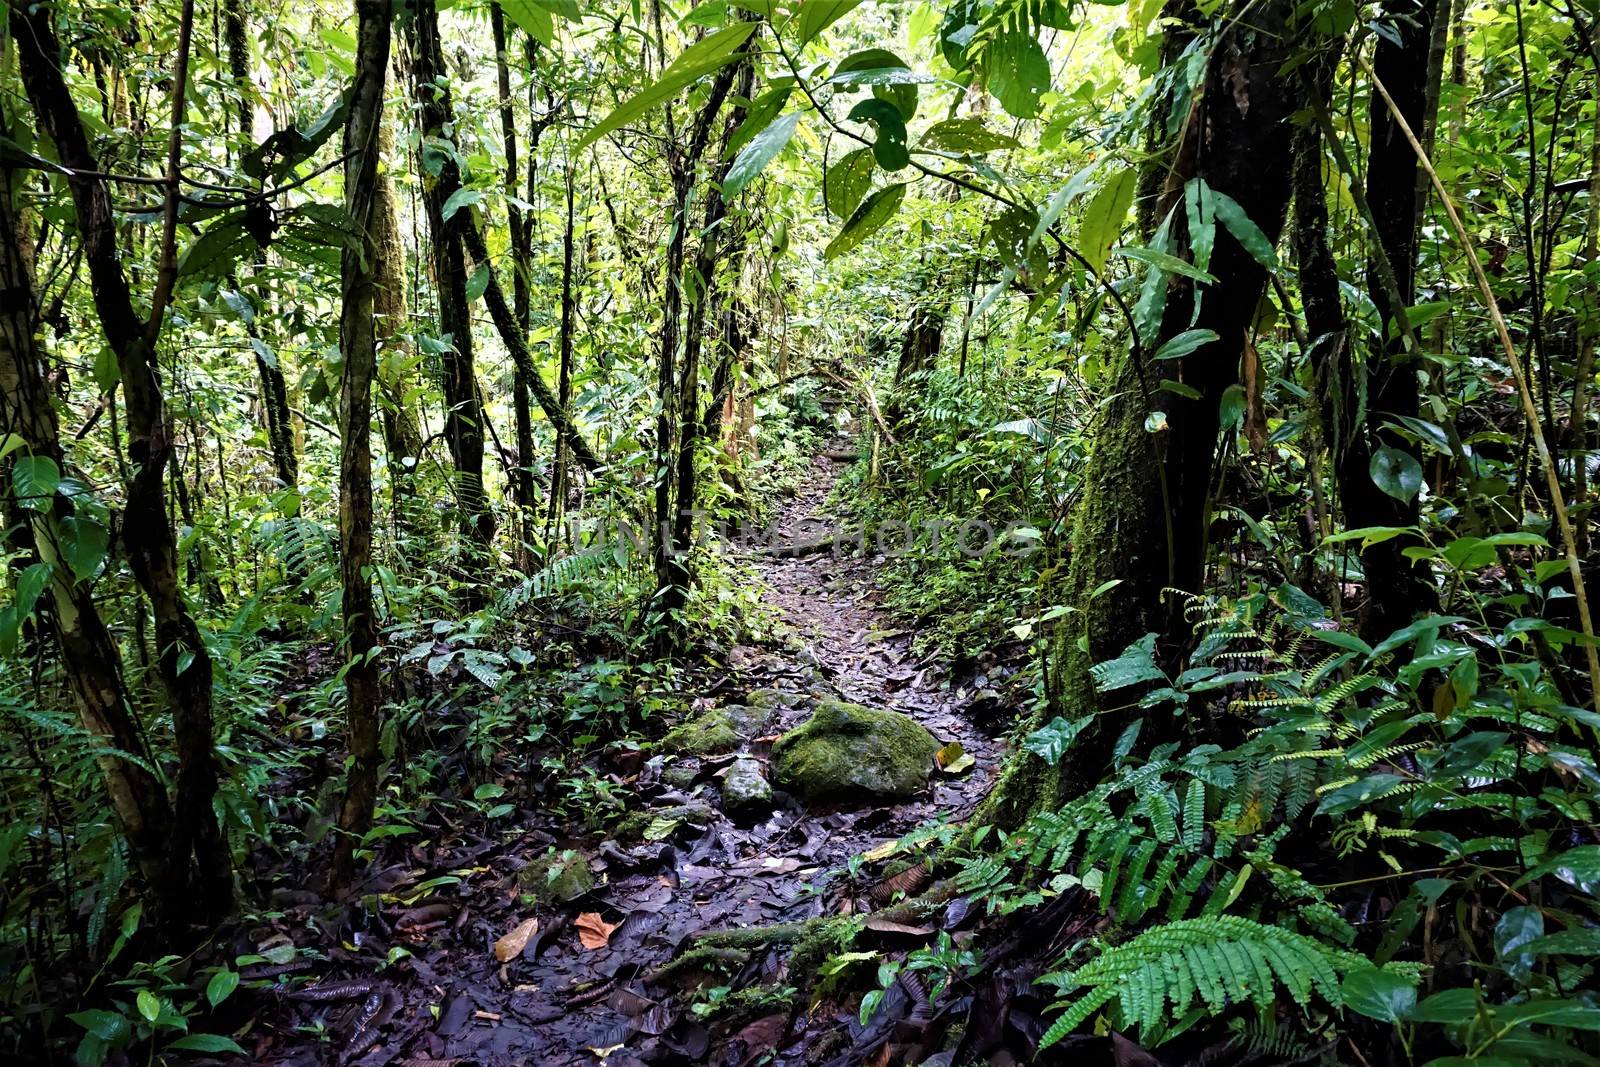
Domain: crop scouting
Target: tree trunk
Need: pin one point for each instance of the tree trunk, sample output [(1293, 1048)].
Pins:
[(274, 390), (402, 436), (90, 657), (183, 663), (674, 384), (1145, 510), (522, 485), (358, 340), (441, 178), (1396, 588), (569, 305)]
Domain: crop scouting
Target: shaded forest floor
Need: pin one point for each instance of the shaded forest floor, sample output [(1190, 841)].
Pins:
[(587, 974)]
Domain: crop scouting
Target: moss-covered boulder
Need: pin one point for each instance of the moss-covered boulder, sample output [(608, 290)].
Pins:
[(557, 878), (745, 790), (770, 700), (850, 752), (718, 730)]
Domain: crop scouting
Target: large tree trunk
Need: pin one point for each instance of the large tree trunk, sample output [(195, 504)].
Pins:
[(39, 529), (183, 662), (1396, 588), (358, 340), (464, 414), (1145, 510)]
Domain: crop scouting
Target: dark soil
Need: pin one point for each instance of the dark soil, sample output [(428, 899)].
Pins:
[(446, 998)]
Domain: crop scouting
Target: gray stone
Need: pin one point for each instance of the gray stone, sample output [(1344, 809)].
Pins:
[(745, 789)]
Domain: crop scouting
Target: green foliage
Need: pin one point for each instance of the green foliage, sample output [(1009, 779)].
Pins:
[(1215, 962)]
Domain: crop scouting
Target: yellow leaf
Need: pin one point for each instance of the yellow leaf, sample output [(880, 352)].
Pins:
[(510, 946)]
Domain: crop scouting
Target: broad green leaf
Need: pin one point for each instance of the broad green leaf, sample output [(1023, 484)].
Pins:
[(847, 181), (459, 199), (1516, 928), (223, 983), (478, 284), (762, 111), (966, 135), (32, 581), (109, 1026), (34, 481), (1051, 741), (1200, 208), (815, 16), (1379, 995), (207, 1043), (1103, 218), (1396, 473), (759, 152), (1017, 72), (1164, 262), (532, 18), (1231, 409), (892, 80), (876, 210), (83, 543), (1247, 233), (890, 148), (711, 53), (149, 1005), (1185, 343), (215, 251), (1407, 634)]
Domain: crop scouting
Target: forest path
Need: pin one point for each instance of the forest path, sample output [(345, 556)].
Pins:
[(565, 999)]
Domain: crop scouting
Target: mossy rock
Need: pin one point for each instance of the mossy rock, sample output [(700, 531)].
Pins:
[(770, 700), (745, 790), (557, 878), (635, 826), (718, 730), (850, 752)]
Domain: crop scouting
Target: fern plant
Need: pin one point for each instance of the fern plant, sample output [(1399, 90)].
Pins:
[(1161, 976)]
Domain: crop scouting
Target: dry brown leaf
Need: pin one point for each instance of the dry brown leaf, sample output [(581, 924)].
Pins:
[(910, 881), (510, 946), (593, 931), (886, 926)]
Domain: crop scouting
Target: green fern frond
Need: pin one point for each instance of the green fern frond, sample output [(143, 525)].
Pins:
[(1226, 959)]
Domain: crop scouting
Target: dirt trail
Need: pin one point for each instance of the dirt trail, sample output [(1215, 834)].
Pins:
[(557, 1002)]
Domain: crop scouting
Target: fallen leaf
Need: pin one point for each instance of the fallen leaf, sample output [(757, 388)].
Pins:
[(882, 852), (593, 931), (510, 946), (886, 926), (953, 759), (660, 829)]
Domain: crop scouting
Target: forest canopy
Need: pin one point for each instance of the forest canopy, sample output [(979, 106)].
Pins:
[(799, 531)]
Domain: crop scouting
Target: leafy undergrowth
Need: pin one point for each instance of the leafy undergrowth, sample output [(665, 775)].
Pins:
[(1395, 863)]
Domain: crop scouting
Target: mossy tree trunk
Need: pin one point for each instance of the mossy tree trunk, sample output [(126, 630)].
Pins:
[(1146, 495), (358, 341), (183, 661), (38, 529)]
